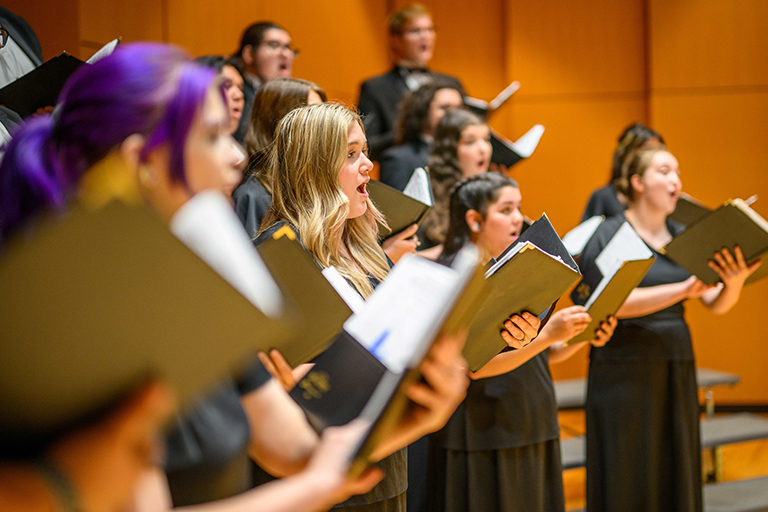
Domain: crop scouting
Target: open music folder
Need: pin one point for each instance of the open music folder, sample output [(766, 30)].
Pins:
[(733, 223), (95, 301), (576, 239), (508, 153), (530, 276), (367, 369), (485, 108), (402, 209), (619, 268), (41, 87)]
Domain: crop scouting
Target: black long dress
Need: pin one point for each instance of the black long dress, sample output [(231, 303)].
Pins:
[(252, 201), (603, 201), (500, 451), (643, 448), (389, 494)]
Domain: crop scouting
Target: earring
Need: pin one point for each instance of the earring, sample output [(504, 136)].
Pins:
[(476, 227), (146, 177)]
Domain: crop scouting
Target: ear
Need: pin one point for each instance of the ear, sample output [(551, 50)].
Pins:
[(247, 55), (474, 220), (637, 184), (131, 149), (396, 45)]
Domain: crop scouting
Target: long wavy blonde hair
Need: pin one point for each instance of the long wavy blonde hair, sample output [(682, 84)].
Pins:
[(304, 163)]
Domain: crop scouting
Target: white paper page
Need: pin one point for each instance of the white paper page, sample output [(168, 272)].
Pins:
[(105, 51), (576, 239), (626, 245), (403, 310), (418, 187), (208, 226), (525, 145), (504, 95), (477, 103), (345, 290)]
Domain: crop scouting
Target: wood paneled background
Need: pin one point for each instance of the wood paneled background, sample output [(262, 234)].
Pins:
[(696, 70)]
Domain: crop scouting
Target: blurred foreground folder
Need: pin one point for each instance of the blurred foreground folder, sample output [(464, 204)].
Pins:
[(97, 300)]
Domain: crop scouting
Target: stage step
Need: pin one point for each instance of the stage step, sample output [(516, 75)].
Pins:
[(738, 496), (733, 428), (572, 393)]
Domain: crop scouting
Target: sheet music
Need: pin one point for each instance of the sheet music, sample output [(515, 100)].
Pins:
[(418, 187), (504, 95), (576, 239), (525, 145), (400, 314), (345, 290), (208, 226), (104, 51)]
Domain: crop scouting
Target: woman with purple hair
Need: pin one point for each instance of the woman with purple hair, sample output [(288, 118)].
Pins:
[(148, 124)]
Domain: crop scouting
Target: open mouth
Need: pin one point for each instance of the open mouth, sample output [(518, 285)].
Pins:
[(362, 190)]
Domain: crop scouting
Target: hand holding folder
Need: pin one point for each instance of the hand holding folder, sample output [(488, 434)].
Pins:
[(402, 209)]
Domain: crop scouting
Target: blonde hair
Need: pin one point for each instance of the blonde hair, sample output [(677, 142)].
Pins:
[(397, 20), (304, 163)]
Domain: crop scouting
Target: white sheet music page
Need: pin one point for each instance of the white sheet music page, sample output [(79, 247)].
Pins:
[(576, 239), (345, 290), (401, 313), (208, 226), (418, 187), (525, 145)]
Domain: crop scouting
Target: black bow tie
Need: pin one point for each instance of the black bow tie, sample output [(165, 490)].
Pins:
[(407, 71)]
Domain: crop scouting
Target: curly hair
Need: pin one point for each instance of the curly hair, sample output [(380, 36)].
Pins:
[(445, 170), (413, 112)]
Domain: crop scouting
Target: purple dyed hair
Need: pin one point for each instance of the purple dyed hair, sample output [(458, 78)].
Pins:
[(150, 89)]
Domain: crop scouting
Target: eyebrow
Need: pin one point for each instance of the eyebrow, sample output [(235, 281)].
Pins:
[(353, 142)]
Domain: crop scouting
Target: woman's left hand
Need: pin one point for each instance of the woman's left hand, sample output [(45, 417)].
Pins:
[(402, 243), (604, 332), (732, 269), (276, 364), (520, 330)]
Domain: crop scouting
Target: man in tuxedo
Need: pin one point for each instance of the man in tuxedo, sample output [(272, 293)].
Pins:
[(265, 53), (412, 40)]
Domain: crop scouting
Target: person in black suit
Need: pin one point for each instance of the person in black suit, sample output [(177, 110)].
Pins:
[(20, 50), (412, 40), (419, 114), (265, 53)]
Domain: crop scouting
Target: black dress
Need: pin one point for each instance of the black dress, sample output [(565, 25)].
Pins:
[(252, 201), (643, 448), (206, 448), (500, 451), (604, 201), (389, 494), (399, 162)]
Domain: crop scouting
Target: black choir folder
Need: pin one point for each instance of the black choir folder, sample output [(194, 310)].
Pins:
[(402, 209), (529, 276), (508, 153), (367, 369), (577, 239), (96, 301), (734, 223), (689, 210), (618, 270), (311, 300), (484, 108), (41, 87)]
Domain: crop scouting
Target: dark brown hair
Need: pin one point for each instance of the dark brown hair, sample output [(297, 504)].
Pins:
[(413, 113), (272, 102)]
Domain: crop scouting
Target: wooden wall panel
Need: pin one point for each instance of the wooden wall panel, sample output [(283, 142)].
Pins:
[(557, 47), (134, 20), (55, 23), (708, 43)]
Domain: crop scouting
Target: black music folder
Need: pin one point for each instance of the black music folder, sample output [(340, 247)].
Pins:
[(366, 371), (734, 223), (508, 153), (618, 269), (688, 210), (484, 108), (577, 239), (311, 301), (402, 209), (530, 276), (41, 87), (95, 301)]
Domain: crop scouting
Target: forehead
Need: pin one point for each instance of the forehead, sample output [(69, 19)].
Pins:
[(355, 134), (509, 194), (447, 95), (475, 130), (664, 158), (423, 20), (276, 34), (231, 73)]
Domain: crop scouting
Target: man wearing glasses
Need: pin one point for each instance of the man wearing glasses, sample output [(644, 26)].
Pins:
[(412, 40), (265, 53), (20, 53)]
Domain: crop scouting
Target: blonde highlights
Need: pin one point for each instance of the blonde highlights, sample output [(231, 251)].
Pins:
[(635, 165), (303, 168)]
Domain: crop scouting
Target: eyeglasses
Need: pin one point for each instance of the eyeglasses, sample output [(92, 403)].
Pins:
[(277, 46), (3, 37), (416, 32)]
